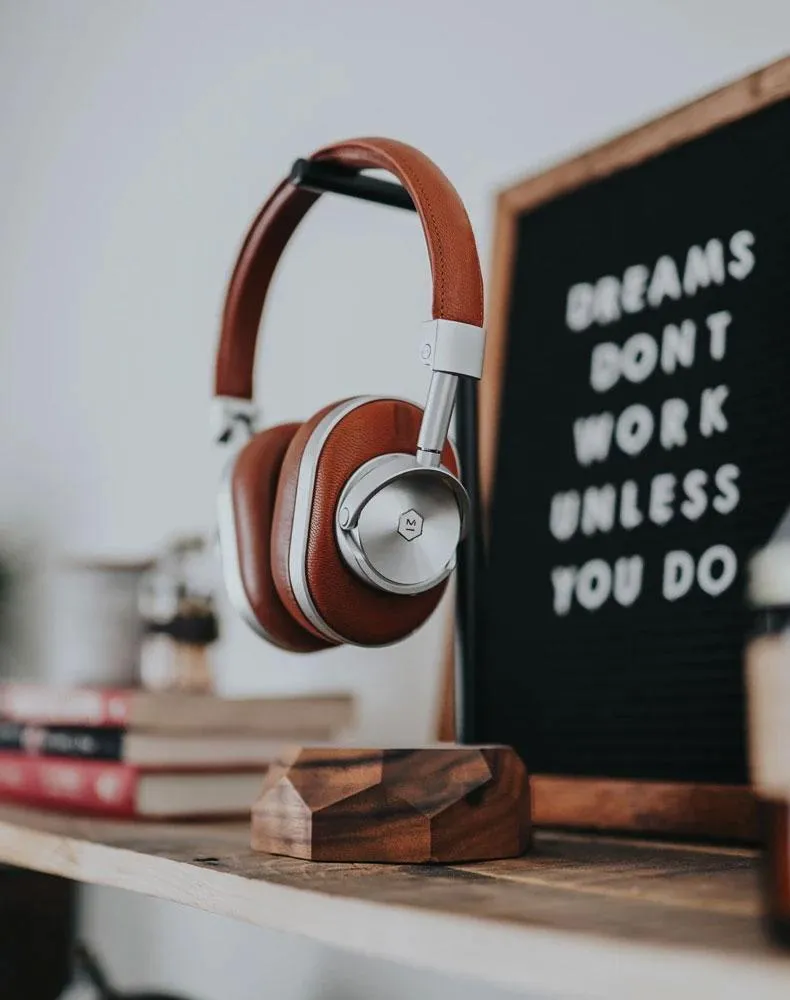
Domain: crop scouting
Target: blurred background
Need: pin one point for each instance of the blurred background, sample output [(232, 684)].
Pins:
[(138, 139)]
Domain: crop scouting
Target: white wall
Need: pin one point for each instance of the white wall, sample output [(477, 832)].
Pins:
[(136, 141)]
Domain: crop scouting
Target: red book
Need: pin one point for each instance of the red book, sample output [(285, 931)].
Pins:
[(317, 717), (122, 790)]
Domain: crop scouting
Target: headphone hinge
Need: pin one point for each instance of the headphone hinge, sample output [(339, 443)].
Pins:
[(232, 416), (452, 350), (455, 348)]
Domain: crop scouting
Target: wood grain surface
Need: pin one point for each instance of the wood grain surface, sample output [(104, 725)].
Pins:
[(431, 804), (578, 916), (683, 809)]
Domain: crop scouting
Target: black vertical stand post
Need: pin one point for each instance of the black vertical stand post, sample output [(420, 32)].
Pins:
[(320, 178), (471, 569)]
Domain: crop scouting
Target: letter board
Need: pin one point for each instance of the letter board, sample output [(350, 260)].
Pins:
[(635, 449)]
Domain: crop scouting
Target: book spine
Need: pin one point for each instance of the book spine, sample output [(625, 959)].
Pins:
[(77, 707), (62, 741), (11, 735), (86, 786)]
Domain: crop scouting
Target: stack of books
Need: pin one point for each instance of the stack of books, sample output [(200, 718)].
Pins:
[(143, 754)]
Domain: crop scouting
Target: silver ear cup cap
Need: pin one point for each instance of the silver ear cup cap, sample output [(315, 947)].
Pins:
[(409, 530), (398, 524)]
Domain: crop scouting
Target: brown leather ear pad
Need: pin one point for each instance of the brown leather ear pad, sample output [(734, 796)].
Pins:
[(352, 608), (254, 487)]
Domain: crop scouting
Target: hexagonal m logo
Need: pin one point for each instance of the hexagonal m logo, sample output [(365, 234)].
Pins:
[(410, 524)]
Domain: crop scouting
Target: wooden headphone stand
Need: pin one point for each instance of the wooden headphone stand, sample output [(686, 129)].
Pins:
[(443, 803), (412, 806)]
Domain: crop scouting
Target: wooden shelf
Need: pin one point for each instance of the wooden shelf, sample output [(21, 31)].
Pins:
[(581, 916)]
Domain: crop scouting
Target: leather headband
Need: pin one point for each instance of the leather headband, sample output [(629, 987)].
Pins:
[(457, 281)]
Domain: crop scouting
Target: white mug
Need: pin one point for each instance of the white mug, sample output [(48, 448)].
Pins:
[(95, 629)]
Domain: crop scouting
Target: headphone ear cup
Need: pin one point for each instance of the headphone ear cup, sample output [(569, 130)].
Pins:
[(312, 579), (253, 490)]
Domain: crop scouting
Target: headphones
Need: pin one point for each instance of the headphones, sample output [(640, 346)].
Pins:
[(344, 528)]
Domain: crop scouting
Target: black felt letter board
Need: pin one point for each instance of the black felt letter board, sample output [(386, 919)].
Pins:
[(635, 474)]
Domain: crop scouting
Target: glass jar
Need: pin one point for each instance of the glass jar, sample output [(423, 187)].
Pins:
[(180, 621)]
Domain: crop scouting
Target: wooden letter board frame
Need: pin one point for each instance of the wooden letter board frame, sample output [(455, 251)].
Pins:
[(689, 809)]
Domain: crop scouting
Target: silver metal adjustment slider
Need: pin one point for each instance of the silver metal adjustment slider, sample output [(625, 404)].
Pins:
[(452, 350), (455, 348), (230, 417)]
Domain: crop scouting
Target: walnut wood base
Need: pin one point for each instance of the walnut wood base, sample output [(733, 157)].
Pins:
[(685, 809), (435, 804)]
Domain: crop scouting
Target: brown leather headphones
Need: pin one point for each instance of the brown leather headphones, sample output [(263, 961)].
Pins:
[(344, 528)]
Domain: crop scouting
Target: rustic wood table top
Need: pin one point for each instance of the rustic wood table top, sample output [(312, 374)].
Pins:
[(578, 916)]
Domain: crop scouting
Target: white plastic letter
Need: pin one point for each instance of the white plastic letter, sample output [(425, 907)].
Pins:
[(592, 437), (632, 295), (696, 502), (640, 353), (665, 282), (634, 428), (628, 579), (593, 584), (604, 366), (678, 574), (711, 418), (703, 267), (606, 300), (741, 249), (677, 345), (578, 309), (662, 493), (563, 577), (725, 557), (729, 495), (717, 324), (598, 507), (630, 514), (564, 515), (674, 413)]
